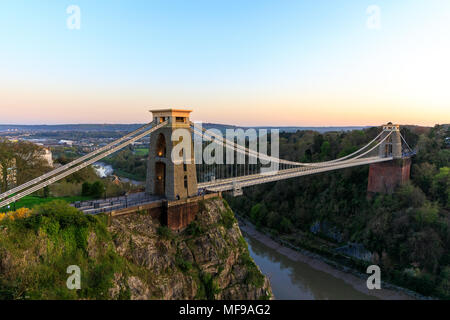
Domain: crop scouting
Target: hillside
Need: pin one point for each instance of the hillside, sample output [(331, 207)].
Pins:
[(131, 258)]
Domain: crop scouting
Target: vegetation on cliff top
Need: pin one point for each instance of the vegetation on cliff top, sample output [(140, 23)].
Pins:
[(36, 251), (134, 257)]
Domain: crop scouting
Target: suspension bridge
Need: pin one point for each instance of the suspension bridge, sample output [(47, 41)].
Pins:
[(195, 173)]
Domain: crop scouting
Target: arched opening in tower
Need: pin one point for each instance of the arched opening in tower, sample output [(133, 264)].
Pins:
[(161, 146), (388, 147), (160, 178)]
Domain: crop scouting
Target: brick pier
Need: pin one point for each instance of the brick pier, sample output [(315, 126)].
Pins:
[(176, 215), (384, 177)]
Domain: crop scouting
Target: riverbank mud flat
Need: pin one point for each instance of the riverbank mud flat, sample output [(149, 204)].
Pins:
[(318, 263)]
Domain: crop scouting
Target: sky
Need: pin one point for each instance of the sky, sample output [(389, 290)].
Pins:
[(242, 62)]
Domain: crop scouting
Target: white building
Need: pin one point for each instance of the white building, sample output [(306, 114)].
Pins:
[(66, 142), (48, 157)]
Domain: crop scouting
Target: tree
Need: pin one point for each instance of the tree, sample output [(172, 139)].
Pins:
[(423, 175), (285, 225), (325, 150), (427, 214), (97, 189), (86, 189), (441, 186), (26, 158), (46, 192), (84, 174), (410, 196), (425, 247)]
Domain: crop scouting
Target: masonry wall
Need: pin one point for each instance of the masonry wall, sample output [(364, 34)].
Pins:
[(384, 177), (176, 215)]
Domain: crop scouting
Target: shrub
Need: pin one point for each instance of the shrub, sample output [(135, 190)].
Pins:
[(64, 189), (20, 213), (254, 276), (164, 232), (201, 205), (182, 264), (65, 231), (86, 189), (194, 229), (97, 189), (228, 220), (211, 286)]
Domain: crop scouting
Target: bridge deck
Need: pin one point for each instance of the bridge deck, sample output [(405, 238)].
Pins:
[(251, 180), (110, 204)]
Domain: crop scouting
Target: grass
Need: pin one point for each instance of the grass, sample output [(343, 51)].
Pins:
[(127, 175), (31, 201), (141, 152)]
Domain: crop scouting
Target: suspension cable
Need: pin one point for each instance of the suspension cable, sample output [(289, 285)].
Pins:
[(71, 164), (79, 167), (406, 143), (231, 145)]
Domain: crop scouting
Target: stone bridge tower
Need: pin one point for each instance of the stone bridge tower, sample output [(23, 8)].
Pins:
[(392, 146), (172, 180), (384, 177)]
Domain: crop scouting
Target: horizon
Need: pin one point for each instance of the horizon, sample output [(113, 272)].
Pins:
[(254, 63), (222, 124)]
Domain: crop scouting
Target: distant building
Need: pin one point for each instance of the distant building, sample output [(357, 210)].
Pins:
[(48, 157), (66, 142)]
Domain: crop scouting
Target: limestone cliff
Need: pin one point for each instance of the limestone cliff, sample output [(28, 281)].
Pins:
[(208, 260), (132, 257)]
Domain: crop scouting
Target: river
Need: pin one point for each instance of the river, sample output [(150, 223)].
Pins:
[(296, 276), (295, 280), (105, 170)]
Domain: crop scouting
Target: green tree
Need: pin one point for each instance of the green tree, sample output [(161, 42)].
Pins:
[(409, 195), (46, 192), (97, 189), (427, 214), (86, 189), (441, 186), (423, 175), (325, 150)]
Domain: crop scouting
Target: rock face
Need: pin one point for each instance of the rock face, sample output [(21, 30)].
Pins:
[(209, 260)]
